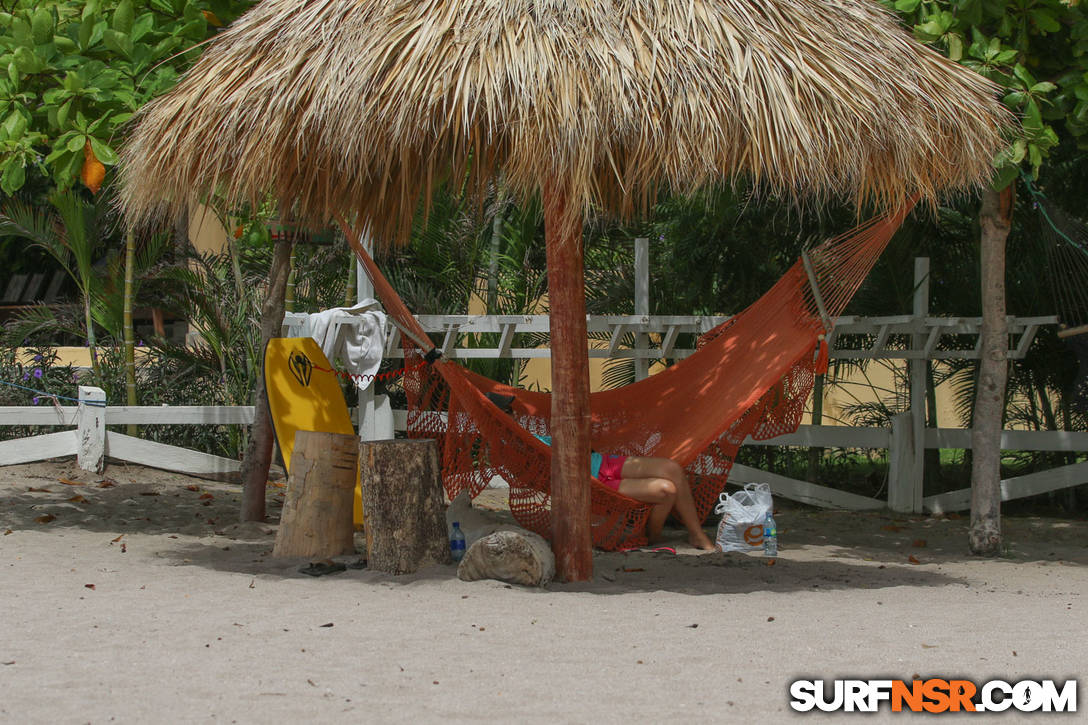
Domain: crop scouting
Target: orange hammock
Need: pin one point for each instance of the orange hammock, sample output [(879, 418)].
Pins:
[(751, 375)]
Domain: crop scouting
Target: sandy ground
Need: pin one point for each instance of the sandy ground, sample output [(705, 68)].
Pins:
[(142, 601)]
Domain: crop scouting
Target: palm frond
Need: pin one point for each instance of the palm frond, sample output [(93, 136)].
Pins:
[(42, 324), (20, 219)]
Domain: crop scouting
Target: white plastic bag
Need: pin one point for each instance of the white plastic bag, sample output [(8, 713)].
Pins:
[(743, 514)]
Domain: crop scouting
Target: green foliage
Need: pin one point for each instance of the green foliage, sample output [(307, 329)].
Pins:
[(453, 252), (1035, 49), (25, 377), (192, 379), (205, 293), (71, 235), (75, 234), (72, 72), (30, 376)]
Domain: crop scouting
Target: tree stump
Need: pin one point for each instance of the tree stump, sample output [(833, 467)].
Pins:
[(499, 550), (317, 514), (404, 504)]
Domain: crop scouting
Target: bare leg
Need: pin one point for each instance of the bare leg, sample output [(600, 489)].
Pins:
[(661, 492), (683, 504)]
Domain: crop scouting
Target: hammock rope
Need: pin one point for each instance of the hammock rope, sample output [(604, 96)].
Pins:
[(1065, 240), (750, 376)]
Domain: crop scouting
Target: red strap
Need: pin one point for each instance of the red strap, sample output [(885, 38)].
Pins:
[(380, 376)]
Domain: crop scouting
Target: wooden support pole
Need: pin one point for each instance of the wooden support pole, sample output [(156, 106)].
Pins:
[(404, 505), (571, 536), (317, 513)]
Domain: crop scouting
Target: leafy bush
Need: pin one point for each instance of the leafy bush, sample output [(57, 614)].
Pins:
[(33, 382)]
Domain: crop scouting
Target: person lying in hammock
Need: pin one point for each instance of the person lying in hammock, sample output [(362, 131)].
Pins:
[(657, 481)]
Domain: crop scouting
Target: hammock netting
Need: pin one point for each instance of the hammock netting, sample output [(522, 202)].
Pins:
[(750, 376), (1067, 258)]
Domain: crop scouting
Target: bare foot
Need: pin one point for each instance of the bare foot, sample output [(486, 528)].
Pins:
[(701, 541)]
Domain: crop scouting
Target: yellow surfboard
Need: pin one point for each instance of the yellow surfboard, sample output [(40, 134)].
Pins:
[(303, 394)]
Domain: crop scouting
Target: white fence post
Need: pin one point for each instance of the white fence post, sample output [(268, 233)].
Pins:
[(91, 429), (918, 372), (903, 478), (375, 417), (375, 413)]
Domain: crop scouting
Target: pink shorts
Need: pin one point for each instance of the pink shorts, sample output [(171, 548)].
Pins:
[(611, 468)]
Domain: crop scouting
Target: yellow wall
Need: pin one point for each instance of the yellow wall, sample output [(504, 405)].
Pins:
[(877, 381), (205, 231), (79, 357)]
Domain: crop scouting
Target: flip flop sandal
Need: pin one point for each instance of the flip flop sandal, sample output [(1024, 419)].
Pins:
[(651, 549)]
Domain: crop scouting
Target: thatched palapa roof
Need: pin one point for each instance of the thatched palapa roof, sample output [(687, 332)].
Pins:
[(361, 106)]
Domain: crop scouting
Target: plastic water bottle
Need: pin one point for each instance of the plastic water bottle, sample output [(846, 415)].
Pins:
[(770, 536), (457, 542)]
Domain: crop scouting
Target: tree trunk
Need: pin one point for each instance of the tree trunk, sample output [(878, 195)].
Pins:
[(317, 513), (350, 285), (181, 245), (258, 455), (181, 234), (404, 505), (571, 536), (493, 253), (130, 333), (236, 265), (995, 218)]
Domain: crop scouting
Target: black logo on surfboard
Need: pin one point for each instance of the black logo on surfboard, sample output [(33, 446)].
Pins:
[(301, 368)]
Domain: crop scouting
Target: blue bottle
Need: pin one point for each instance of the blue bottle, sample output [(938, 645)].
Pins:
[(457, 542), (770, 536)]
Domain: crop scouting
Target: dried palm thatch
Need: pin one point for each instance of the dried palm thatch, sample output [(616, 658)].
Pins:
[(361, 106)]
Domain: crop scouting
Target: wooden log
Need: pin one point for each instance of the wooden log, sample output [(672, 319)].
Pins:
[(404, 505), (499, 550), (317, 514)]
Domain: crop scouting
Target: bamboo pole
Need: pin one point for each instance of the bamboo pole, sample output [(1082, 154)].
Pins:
[(289, 293), (129, 329), (571, 536)]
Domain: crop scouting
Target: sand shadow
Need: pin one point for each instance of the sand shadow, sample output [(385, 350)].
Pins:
[(821, 550), (903, 538), (734, 573), (614, 573)]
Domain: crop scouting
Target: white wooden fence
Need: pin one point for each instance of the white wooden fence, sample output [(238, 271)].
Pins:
[(656, 337), (91, 443)]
